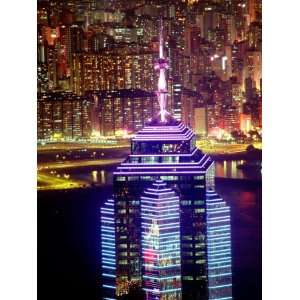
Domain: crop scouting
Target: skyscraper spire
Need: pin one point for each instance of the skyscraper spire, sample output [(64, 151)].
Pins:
[(161, 40), (162, 65)]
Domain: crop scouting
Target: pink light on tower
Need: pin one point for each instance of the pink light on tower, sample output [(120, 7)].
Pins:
[(162, 65)]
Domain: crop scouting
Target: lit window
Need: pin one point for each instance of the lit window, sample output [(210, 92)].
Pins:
[(121, 178), (199, 210)]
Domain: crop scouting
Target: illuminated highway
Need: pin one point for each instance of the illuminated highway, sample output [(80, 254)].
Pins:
[(78, 163), (49, 179), (52, 182), (78, 146)]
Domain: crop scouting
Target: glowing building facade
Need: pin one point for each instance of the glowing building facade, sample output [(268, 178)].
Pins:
[(108, 244), (164, 151), (168, 248), (161, 257), (218, 247)]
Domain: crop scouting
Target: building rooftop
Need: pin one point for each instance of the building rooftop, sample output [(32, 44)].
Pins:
[(169, 130), (164, 148)]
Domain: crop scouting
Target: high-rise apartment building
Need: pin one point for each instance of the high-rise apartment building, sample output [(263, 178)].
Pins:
[(231, 118), (124, 111), (63, 115), (113, 71), (253, 63), (200, 121)]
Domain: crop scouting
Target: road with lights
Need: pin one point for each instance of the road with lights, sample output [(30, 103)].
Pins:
[(78, 146), (49, 179), (51, 182), (78, 163)]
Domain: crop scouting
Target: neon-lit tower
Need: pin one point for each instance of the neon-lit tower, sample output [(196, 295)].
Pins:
[(165, 150), (161, 242), (162, 65)]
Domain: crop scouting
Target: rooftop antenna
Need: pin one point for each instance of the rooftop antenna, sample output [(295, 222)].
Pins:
[(162, 65)]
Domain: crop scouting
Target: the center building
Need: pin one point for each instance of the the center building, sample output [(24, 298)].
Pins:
[(166, 211)]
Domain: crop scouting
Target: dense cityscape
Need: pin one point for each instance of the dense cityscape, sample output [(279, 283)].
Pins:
[(96, 77), (149, 117)]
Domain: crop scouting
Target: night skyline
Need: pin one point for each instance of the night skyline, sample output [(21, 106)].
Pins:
[(153, 103)]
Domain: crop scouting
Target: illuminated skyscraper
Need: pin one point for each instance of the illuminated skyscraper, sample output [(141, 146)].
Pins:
[(165, 226)]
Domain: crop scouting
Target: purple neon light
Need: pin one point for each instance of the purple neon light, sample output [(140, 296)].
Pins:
[(154, 199), (178, 127), (158, 167), (163, 167), (167, 164), (163, 130), (157, 172), (158, 191), (149, 137), (165, 135), (167, 128)]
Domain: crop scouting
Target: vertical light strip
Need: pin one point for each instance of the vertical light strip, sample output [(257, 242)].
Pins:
[(218, 247), (108, 246)]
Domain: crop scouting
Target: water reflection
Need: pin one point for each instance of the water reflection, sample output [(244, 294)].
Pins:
[(229, 169), (99, 179), (94, 176), (102, 177)]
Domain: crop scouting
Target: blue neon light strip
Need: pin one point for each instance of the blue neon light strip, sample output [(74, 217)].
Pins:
[(221, 274), (223, 298), (220, 286), (108, 286), (108, 245), (219, 221), (108, 275), (108, 267), (220, 267)]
